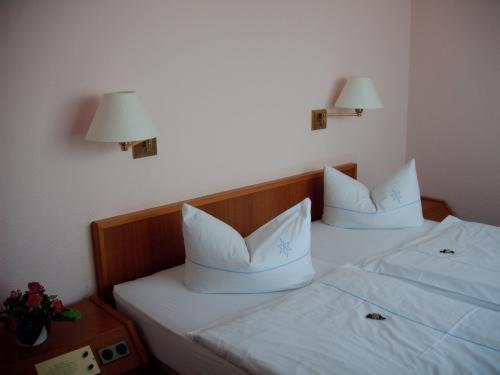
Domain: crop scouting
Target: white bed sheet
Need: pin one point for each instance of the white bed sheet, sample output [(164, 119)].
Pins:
[(322, 329), (471, 273), (348, 246), (165, 311), (164, 298)]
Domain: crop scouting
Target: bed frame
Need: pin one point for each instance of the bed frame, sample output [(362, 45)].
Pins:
[(141, 243)]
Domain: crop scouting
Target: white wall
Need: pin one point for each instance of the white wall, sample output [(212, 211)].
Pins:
[(230, 85), (454, 102)]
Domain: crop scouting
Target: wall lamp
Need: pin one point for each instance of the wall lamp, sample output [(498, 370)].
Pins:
[(121, 118), (359, 93)]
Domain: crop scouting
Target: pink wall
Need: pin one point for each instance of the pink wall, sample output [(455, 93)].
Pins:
[(454, 104), (230, 85)]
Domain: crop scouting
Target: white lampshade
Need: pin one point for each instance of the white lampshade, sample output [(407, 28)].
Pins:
[(121, 117), (359, 92)]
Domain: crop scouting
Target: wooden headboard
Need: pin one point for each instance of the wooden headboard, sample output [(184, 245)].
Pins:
[(140, 243)]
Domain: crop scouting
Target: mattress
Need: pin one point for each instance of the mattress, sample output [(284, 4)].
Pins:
[(165, 311)]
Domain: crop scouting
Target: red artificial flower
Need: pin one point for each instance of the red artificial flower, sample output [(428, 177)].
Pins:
[(34, 305), (36, 287), (58, 306), (34, 301)]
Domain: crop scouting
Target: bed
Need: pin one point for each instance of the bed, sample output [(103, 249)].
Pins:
[(176, 311), (141, 254)]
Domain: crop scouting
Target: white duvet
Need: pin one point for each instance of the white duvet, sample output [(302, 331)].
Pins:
[(322, 329), (471, 270)]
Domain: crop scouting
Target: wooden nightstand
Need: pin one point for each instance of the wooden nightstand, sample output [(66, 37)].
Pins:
[(435, 209), (100, 327)]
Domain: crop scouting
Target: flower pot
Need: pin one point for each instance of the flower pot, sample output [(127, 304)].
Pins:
[(30, 333)]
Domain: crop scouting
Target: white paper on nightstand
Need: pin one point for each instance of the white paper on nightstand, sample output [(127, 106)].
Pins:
[(75, 362)]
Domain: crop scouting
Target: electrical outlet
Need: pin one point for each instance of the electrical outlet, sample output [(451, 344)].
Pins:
[(318, 119), (113, 352)]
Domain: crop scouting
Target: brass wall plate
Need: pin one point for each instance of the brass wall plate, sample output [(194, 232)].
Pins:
[(318, 119), (143, 149)]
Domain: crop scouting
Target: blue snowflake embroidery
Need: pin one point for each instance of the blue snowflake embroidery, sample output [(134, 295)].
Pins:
[(284, 247), (396, 195)]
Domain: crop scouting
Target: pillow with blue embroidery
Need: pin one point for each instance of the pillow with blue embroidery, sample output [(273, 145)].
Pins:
[(275, 257), (394, 204)]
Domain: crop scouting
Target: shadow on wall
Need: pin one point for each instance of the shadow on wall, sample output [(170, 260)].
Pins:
[(84, 110), (338, 85)]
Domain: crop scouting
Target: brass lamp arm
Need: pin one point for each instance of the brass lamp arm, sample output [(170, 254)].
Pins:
[(358, 112), (125, 145), (140, 149)]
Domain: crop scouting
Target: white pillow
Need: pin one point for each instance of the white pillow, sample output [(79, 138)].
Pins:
[(275, 257), (394, 204)]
